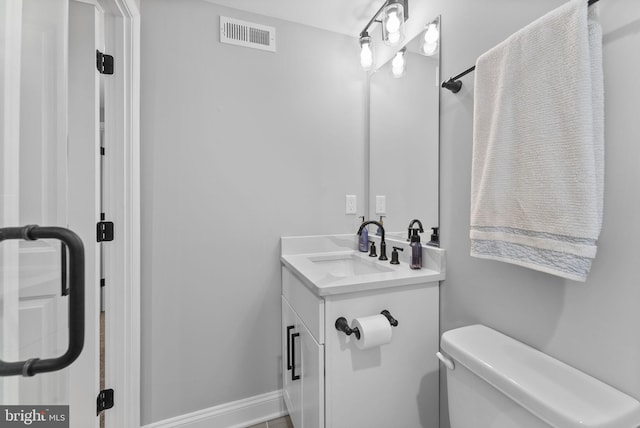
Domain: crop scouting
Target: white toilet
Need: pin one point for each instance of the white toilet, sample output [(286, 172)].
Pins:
[(494, 381)]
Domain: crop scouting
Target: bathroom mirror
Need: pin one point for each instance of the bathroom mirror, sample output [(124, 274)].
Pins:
[(404, 135)]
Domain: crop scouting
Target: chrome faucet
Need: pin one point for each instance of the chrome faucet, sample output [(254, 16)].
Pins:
[(383, 244)]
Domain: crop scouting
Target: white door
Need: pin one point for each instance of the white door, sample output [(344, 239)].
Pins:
[(49, 125)]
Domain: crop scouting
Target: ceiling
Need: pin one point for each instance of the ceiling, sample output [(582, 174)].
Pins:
[(340, 16)]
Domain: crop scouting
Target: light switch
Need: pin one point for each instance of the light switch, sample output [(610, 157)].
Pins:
[(381, 204), (351, 205)]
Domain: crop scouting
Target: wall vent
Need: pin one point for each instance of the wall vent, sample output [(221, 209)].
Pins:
[(248, 34)]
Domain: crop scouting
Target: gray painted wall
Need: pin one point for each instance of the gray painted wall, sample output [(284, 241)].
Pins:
[(239, 147), (273, 147), (592, 326)]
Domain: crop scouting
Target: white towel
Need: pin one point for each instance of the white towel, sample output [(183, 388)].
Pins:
[(538, 145)]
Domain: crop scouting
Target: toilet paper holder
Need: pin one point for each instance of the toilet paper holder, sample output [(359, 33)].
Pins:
[(342, 324)]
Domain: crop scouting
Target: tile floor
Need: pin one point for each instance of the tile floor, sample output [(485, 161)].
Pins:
[(283, 422)]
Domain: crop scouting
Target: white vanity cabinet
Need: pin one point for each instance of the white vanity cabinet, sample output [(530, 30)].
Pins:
[(329, 382), (303, 371)]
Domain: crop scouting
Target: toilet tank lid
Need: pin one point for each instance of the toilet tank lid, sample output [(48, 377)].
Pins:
[(550, 389)]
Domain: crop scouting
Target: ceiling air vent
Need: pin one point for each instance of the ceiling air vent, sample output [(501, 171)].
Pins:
[(248, 34)]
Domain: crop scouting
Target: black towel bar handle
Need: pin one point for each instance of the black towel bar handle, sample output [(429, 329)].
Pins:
[(75, 276)]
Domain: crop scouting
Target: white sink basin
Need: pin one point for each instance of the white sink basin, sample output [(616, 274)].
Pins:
[(331, 264), (344, 265)]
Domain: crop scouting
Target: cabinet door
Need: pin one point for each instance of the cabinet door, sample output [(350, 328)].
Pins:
[(393, 385), (312, 370), (291, 364)]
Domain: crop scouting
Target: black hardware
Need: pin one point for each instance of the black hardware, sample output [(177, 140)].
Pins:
[(63, 270), (105, 400), (415, 237), (372, 250), (383, 245), (104, 231), (289, 328), (104, 63), (76, 299), (410, 228), (383, 250), (454, 85), (435, 237), (102, 151), (293, 357), (394, 255), (103, 282), (392, 320), (343, 326)]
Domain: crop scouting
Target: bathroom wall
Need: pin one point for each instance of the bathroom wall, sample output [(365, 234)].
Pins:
[(594, 325), (239, 147)]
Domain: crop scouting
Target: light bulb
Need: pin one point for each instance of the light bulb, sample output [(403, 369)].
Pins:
[(366, 57), (366, 54), (393, 22), (398, 59), (398, 64), (393, 38), (432, 34), (429, 49)]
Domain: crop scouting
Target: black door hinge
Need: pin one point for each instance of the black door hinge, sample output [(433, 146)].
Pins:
[(105, 400), (104, 63), (104, 231)]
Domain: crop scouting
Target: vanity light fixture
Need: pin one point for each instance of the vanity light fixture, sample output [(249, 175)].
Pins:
[(392, 15), (393, 24), (399, 64)]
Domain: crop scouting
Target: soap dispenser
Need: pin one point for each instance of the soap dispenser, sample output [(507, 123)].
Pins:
[(379, 231), (363, 243), (435, 237), (416, 251)]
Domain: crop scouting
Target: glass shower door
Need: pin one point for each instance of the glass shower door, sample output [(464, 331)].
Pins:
[(33, 191)]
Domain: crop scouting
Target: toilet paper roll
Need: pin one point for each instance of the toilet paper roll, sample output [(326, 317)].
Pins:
[(375, 330)]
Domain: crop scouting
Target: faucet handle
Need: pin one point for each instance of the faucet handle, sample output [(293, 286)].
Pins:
[(372, 252), (394, 255)]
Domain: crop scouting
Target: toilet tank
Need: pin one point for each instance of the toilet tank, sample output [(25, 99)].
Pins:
[(498, 382)]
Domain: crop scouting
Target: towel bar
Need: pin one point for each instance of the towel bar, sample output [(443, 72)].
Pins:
[(454, 85)]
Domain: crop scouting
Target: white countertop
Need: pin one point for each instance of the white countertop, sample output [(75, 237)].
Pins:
[(310, 258)]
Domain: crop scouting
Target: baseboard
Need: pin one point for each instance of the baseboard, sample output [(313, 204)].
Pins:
[(237, 414)]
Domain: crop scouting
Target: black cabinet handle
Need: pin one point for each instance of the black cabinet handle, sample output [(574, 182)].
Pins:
[(289, 328), (293, 356), (76, 299), (63, 270)]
